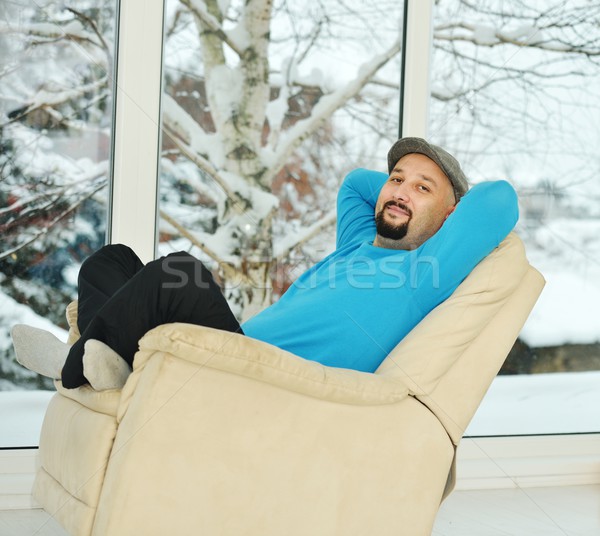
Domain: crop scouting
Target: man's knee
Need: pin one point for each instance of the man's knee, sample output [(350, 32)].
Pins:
[(117, 254), (181, 269)]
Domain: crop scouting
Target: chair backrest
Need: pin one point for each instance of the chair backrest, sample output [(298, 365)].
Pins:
[(450, 358)]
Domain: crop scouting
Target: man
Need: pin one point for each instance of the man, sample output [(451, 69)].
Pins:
[(405, 241)]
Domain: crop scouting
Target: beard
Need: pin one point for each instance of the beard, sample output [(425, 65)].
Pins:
[(389, 230)]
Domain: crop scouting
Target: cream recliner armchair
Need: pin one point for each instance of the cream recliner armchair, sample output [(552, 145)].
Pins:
[(218, 434)]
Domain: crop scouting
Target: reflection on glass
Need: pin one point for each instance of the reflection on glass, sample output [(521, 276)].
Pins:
[(55, 135), (514, 96), (265, 109)]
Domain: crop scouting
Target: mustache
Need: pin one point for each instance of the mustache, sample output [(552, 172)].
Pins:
[(399, 205)]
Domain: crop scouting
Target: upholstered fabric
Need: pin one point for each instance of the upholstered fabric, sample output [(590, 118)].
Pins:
[(251, 358), (238, 455), (449, 360), (75, 444), (71, 314), (220, 434), (435, 345)]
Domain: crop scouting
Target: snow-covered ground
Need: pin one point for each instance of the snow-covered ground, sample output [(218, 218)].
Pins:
[(12, 312), (21, 416), (567, 253), (514, 405), (539, 404)]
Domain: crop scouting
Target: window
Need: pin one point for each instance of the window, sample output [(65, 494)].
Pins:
[(513, 97), (55, 145), (258, 133)]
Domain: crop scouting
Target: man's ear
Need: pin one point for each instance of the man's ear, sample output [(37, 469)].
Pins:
[(450, 211)]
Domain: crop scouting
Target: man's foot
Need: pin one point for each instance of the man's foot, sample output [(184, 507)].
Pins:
[(103, 368), (39, 350)]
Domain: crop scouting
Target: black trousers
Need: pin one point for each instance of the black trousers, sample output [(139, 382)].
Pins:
[(120, 299)]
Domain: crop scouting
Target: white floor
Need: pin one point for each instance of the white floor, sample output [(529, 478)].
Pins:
[(560, 511), (28, 523)]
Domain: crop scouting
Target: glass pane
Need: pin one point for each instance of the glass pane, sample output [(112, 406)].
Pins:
[(258, 134), (55, 139), (514, 96)]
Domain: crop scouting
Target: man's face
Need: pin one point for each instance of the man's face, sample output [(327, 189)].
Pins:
[(413, 204)]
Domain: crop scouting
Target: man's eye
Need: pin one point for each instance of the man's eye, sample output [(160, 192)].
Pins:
[(395, 179), (423, 188)]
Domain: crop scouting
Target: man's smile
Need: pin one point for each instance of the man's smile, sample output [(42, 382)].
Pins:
[(397, 209)]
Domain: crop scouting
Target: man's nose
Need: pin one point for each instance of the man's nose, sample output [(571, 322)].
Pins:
[(401, 192)]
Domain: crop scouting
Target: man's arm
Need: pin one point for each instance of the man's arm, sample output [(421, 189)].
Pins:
[(482, 219), (356, 206)]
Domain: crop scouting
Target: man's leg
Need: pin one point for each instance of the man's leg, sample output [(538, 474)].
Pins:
[(101, 275), (176, 288)]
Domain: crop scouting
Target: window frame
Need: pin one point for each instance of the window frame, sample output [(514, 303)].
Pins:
[(136, 141), (136, 175), (575, 458), (490, 462)]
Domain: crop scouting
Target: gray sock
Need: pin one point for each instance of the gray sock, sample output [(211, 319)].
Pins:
[(39, 350), (103, 368)]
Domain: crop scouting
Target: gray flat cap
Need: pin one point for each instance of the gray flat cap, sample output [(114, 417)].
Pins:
[(442, 158)]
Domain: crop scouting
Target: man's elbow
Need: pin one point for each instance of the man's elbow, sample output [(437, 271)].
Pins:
[(506, 199)]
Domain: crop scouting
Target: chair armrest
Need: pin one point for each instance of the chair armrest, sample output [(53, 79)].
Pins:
[(106, 402), (238, 354)]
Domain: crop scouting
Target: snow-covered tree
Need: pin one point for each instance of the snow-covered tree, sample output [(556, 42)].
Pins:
[(250, 58), (519, 80), (267, 104), (54, 141)]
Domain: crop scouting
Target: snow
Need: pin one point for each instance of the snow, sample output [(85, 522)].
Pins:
[(566, 313), (514, 405), (485, 35), (315, 78), (276, 110), (225, 84), (56, 96), (565, 251), (293, 236), (239, 36), (200, 7), (21, 417), (188, 129), (75, 27), (539, 404), (522, 32), (261, 202), (12, 312), (223, 5)]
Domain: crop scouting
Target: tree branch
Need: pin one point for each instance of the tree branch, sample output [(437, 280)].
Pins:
[(93, 24), (326, 107), (308, 234), (44, 99), (199, 10), (41, 232), (238, 203), (503, 38), (229, 271)]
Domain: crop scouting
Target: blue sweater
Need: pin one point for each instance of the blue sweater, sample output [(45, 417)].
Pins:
[(352, 308)]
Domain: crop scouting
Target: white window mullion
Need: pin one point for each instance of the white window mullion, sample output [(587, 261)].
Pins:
[(417, 54), (136, 131)]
